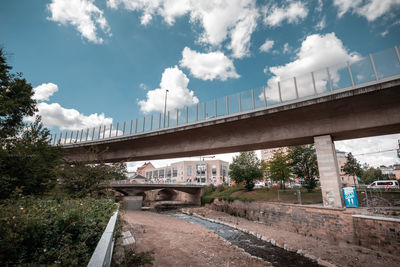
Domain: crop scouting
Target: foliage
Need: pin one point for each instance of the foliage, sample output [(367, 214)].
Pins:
[(28, 162), (246, 168), (48, 231), (15, 100), (223, 193), (132, 258), (352, 166), (279, 168), (303, 161), (371, 174), (80, 179)]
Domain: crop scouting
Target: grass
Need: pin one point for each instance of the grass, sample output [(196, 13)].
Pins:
[(231, 193)]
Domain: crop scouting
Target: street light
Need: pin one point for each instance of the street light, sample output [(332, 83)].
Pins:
[(165, 107)]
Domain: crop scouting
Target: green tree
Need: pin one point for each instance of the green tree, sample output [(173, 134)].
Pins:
[(303, 160), (28, 162), (15, 100), (352, 167), (279, 168), (80, 179), (246, 167), (371, 174)]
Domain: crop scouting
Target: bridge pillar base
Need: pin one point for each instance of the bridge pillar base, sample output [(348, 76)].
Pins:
[(328, 172)]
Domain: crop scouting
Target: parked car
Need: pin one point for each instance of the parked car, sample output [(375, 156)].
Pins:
[(259, 184), (384, 184)]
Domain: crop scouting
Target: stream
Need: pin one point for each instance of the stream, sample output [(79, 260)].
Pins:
[(275, 255)]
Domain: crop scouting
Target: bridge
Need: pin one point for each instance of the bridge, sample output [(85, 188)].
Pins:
[(353, 100), (162, 191)]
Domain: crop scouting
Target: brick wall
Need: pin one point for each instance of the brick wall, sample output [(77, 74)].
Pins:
[(332, 224)]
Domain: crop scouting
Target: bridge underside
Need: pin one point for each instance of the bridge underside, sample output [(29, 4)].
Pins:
[(367, 111)]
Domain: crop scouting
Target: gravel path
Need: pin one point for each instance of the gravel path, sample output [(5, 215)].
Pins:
[(179, 243)]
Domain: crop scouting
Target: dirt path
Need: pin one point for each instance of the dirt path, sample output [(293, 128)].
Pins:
[(339, 254), (180, 243)]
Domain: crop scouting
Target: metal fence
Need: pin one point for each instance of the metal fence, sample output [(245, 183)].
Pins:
[(377, 67), (378, 197)]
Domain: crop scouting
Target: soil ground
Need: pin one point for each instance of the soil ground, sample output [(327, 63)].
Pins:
[(179, 243)]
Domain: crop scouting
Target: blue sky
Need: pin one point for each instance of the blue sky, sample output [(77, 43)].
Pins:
[(101, 61)]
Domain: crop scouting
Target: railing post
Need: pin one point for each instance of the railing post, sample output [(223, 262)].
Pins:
[(295, 87), (159, 121), (227, 105), (116, 130), (265, 97), (110, 130), (373, 66), (104, 131), (205, 111), (168, 118), (77, 134), (87, 134), (80, 139), (123, 130), (313, 82), (177, 117), (65, 138), (130, 128), (239, 103), (351, 74), (136, 124), (59, 141), (93, 133), (99, 135), (280, 92), (151, 122), (197, 112), (144, 121), (397, 53), (215, 107), (187, 114), (55, 139), (252, 99), (329, 79)]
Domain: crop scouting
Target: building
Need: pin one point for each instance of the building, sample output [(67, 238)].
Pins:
[(145, 167), (203, 172), (268, 154), (396, 168)]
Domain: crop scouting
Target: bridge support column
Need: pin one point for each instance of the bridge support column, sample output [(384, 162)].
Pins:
[(328, 172)]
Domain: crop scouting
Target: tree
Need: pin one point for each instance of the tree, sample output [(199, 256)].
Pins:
[(303, 160), (352, 167), (246, 168), (28, 162), (371, 174), (279, 168), (15, 100)]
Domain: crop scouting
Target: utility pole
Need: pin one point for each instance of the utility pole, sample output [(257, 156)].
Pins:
[(165, 107)]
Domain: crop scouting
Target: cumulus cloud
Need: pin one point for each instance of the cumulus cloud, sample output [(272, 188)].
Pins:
[(176, 82), (82, 14), (44, 91), (208, 66), (371, 9), (293, 13), (267, 45), (372, 150), (316, 52), (220, 19), (321, 24)]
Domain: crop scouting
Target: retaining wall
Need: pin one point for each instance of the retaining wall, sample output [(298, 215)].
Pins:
[(332, 224)]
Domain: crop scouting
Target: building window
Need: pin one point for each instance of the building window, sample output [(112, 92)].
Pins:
[(161, 173), (168, 172), (189, 170), (214, 170), (155, 174), (174, 172), (201, 169)]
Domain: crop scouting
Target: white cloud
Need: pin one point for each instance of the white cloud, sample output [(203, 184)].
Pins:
[(293, 13), (44, 91), (321, 25), (316, 52), (176, 82), (371, 9), (220, 19), (208, 66), (267, 46), (54, 115), (363, 147), (82, 14), (286, 48)]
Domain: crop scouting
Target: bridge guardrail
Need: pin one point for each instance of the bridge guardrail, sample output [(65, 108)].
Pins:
[(278, 91)]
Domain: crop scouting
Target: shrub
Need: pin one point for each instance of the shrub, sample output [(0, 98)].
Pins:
[(50, 231)]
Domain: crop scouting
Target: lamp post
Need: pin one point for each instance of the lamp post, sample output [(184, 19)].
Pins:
[(165, 107)]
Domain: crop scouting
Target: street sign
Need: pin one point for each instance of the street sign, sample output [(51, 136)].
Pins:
[(350, 197)]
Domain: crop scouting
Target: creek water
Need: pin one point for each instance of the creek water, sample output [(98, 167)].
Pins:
[(275, 255)]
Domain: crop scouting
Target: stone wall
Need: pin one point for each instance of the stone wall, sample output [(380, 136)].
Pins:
[(332, 224)]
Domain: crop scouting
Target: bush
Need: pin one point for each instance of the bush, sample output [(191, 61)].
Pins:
[(49, 231)]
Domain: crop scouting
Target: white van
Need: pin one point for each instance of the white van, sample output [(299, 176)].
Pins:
[(385, 184)]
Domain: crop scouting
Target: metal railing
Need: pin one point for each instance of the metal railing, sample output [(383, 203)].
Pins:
[(375, 68)]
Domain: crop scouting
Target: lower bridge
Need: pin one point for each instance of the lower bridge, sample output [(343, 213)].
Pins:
[(187, 193)]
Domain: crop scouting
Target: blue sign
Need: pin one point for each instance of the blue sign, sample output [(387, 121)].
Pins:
[(350, 197)]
